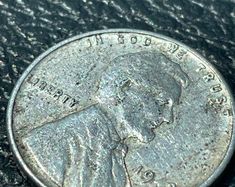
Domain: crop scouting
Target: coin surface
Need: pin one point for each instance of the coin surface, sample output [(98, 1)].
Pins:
[(121, 108)]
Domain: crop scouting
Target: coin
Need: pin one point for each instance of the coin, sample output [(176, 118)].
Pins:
[(121, 108)]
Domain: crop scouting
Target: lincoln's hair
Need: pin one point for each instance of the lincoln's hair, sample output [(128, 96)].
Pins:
[(146, 69)]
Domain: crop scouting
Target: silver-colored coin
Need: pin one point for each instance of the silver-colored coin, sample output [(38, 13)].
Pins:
[(121, 108)]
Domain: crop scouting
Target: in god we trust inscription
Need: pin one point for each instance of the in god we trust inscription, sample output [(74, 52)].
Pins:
[(121, 108)]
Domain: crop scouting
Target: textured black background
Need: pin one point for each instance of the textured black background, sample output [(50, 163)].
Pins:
[(29, 27)]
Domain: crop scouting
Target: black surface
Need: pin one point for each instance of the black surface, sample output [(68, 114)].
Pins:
[(29, 27)]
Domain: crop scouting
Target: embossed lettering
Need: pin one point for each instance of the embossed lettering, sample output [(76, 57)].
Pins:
[(147, 42), (172, 48), (138, 170), (181, 53), (216, 88), (148, 176), (145, 175), (221, 100), (120, 39), (210, 76), (99, 39), (171, 184), (66, 98), (58, 94), (133, 39), (202, 67), (89, 42), (42, 85), (33, 81), (216, 104), (73, 103), (50, 89), (228, 112)]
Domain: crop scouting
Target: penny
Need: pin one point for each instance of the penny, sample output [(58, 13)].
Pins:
[(121, 108)]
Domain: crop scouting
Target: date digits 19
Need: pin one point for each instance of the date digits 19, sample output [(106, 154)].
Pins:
[(149, 176)]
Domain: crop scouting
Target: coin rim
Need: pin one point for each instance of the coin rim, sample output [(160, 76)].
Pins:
[(9, 120)]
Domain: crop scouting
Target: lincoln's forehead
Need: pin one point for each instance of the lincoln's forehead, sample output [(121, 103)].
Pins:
[(152, 71)]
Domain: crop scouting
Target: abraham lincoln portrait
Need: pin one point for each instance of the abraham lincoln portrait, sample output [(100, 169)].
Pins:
[(136, 94)]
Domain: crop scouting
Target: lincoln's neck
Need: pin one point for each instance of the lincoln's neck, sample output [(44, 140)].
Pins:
[(115, 116), (112, 122)]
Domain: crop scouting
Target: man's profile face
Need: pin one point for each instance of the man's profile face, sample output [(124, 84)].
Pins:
[(140, 90), (147, 108)]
